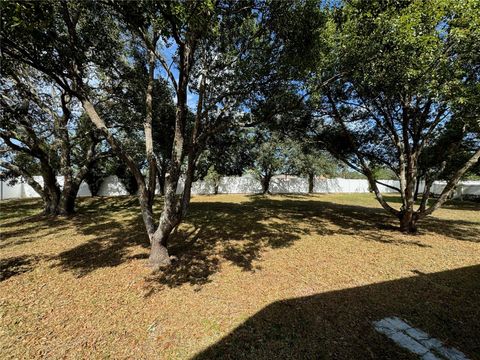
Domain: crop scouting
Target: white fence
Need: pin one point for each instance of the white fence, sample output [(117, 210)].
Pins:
[(247, 184)]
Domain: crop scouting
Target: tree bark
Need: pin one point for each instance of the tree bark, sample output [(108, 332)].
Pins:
[(67, 203), (169, 218), (51, 202), (408, 222), (159, 256), (152, 164), (265, 181), (69, 194), (311, 179), (161, 173), (51, 189), (417, 187)]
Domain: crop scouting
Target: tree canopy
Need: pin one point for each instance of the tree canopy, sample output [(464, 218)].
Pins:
[(397, 80)]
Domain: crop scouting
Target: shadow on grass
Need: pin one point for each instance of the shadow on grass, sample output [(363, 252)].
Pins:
[(224, 231), (338, 324), (113, 237), (97, 217), (26, 228), (239, 232), (16, 265), (19, 208), (220, 231), (366, 221)]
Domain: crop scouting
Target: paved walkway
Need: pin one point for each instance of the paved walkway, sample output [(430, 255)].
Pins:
[(416, 340)]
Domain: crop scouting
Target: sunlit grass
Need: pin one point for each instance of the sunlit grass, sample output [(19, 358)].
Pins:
[(270, 275)]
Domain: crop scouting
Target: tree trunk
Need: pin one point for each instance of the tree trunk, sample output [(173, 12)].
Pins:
[(265, 181), (158, 251), (52, 193), (67, 205), (161, 173), (170, 217), (417, 187), (146, 208), (215, 188), (58, 202), (52, 197), (408, 222), (311, 179), (51, 204), (68, 199), (448, 189)]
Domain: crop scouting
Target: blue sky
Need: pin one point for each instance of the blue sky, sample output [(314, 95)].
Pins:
[(169, 53)]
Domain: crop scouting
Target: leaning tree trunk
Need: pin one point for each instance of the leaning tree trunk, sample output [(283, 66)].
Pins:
[(159, 256)]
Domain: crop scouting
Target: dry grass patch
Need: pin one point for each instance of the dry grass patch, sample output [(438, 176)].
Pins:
[(294, 277)]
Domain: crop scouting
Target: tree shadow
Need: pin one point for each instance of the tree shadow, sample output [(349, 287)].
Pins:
[(216, 232), (338, 324), (16, 233), (268, 222), (360, 221), (370, 223), (110, 247), (15, 208), (17, 265), (107, 204), (24, 228), (239, 233)]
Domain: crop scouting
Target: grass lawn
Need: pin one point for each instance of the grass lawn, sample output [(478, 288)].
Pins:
[(278, 277)]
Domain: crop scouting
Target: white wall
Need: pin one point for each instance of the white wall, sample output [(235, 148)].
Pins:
[(469, 188), (112, 186), (247, 184), (10, 191)]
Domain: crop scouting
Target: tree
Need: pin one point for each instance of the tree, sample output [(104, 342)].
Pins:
[(444, 155), (213, 178), (209, 55), (270, 157), (43, 134), (227, 153), (163, 124), (85, 48), (306, 160), (404, 73)]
